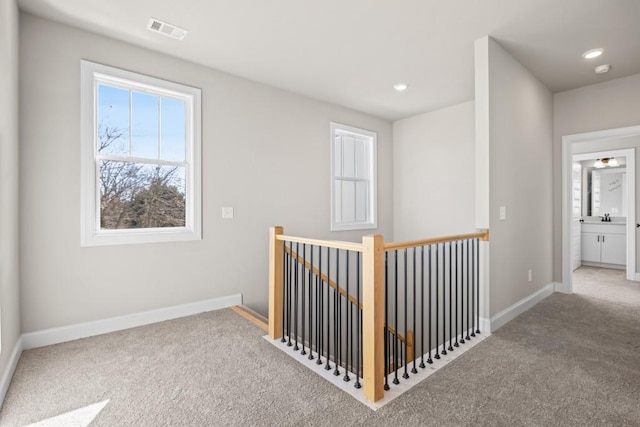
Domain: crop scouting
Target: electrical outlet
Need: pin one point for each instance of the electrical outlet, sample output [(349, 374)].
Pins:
[(227, 213), (530, 275)]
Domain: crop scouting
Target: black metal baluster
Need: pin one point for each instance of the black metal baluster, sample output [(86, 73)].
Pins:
[(387, 369), (444, 298), (309, 281), (422, 365), (321, 308), (473, 288), (467, 337), (348, 307), (437, 356), (296, 331), (415, 332), (387, 361), (450, 348), (337, 343), (328, 365), (405, 375), (395, 323), (360, 358), (290, 272), (358, 334), (430, 332), (303, 308), (478, 286), (457, 275), (462, 298), (462, 276), (284, 290)]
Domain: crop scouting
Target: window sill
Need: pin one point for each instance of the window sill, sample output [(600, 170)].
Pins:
[(354, 226), (130, 237)]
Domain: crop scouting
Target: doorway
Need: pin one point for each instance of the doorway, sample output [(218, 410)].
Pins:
[(599, 146)]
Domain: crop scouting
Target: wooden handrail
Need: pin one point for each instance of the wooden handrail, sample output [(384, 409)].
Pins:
[(393, 332), (357, 247), (323, 277), (483, 235), (349, 246)]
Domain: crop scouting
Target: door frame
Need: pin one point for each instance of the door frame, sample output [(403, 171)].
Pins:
[(567, 164)]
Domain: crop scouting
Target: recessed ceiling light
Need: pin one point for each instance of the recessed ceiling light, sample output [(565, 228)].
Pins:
[(400, 87), (601, 69), (593, 53)]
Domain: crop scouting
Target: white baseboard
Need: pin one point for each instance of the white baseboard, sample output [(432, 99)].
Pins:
[(103, 326), (520, 307), (11, 368)]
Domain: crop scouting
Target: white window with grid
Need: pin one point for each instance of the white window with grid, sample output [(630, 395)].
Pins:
[(353, 178), (140, 153)]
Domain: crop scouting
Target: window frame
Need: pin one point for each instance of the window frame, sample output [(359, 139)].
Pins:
[(93, 74), (372, 208)]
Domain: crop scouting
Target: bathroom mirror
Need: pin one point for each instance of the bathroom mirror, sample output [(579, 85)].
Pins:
[(607, 192)]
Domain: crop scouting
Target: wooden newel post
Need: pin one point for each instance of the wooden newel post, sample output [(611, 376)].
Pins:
[(372, 317), (275, 282)]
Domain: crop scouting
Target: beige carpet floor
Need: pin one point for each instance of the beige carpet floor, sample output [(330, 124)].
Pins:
[(571, 360)]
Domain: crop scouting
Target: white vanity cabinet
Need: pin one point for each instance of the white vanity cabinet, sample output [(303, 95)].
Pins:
[(604, 243)]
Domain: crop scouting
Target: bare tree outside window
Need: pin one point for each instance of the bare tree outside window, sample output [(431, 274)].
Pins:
[(135, 192)]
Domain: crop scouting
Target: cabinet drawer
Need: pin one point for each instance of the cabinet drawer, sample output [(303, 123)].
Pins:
[(605, 228)]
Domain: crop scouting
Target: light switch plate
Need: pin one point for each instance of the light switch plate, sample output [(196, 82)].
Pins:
[(227, 213), (503, 212)]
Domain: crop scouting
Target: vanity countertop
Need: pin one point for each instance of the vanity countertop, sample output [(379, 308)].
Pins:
[(605, 223)]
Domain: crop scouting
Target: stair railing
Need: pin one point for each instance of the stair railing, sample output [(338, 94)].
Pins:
[(359, 308)]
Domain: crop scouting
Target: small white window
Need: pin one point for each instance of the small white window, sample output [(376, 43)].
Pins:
[(141, 149), (353, 178)]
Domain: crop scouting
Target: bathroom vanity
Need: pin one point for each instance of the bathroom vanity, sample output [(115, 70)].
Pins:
[(604, 244)]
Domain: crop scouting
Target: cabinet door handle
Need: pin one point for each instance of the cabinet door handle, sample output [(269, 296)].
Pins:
[(603, 238), (598, 237)]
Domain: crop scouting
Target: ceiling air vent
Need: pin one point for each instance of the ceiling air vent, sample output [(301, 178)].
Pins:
[(166, 29)]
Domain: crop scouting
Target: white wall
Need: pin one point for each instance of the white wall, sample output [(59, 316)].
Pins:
[(519, 110), (433, 173), (9, 243), (607, 105), (265, 152)]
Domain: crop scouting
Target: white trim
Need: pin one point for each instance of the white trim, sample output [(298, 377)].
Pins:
[(510, 313), (482, 140), (559, 287), (11, 368), (372, 211), (91, 235), (567, 159), (630, 169), (103, 326), (485, 286), (485, 325)]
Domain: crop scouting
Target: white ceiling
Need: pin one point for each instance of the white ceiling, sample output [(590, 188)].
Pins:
[(351, 52)]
